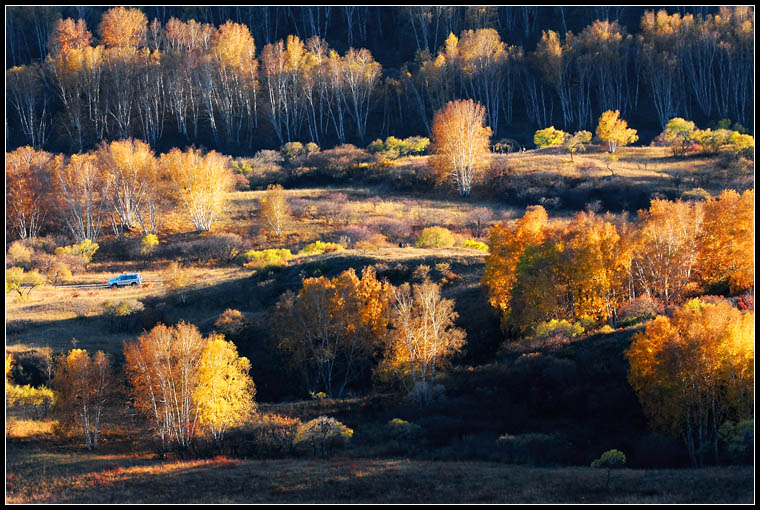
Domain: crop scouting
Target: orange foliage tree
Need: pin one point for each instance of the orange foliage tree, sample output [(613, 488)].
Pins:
[(665, 248), (423, 337), (69, 34), (162, 370), (461, 143), (120, 28), (334, 326), (83, 386), (695, 370), (507, 244), (27, 180), (726, 244)]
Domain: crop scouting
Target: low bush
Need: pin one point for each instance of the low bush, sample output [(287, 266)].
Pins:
[(319, 247), (534, 449), (222, 248), (265, 436), (639, 309), (396, 229), (19, 254), (231, 322), (121, 315), (435, 237), (475, 245), (374, 243), (322, 435), (86, 250), (37, 401), (340, 162), (59, 273), (561, 327), (737, 441), (265, 258)]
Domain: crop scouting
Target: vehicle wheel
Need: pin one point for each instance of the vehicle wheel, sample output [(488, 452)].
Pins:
[(114, 286), (132, 284)]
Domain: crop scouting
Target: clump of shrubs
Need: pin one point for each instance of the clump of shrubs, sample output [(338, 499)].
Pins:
[(121, 315), (561, 327), (265, 259), (475, 245), (320, 247), (394, 148), (642, 308), (374, 243), (36, 401), (533, 449), (322, 435), (59, 273), (84, 250), (265, 436), (231, 322), (402, 436), (737, 441), (19, 254), (222, 248), (435, 237)]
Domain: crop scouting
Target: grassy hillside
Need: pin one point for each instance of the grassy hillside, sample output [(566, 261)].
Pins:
[(541, 405)]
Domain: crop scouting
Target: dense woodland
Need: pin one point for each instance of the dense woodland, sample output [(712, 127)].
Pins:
[(236, 79)]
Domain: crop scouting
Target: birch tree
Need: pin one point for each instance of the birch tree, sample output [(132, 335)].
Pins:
[(461, 143)]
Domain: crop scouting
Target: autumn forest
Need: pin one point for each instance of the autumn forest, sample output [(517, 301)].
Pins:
[(361, 254)]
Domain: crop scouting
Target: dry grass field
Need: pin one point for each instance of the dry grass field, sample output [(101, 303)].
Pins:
[(39, 475)]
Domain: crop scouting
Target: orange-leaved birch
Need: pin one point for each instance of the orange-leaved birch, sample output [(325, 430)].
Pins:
[(461, 143), (726, 243), (27, 181), (333, 326), (695, 370), (83, 386), (507, 243), (162, 370)]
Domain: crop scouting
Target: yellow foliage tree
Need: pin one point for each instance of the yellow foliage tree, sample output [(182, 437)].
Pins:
[(274, 210), (614, 130), (83, 386), (423, 337), (224, 392), (695, 370), (595, 264), (461, 143), (200, 182)]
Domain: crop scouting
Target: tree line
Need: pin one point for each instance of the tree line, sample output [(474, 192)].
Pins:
[(176, 80)]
